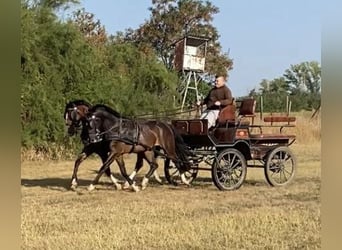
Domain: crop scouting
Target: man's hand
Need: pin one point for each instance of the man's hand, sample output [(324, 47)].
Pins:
[(198, 103), (218, 103)]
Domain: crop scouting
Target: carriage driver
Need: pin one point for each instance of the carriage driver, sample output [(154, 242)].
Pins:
[(218, 97)]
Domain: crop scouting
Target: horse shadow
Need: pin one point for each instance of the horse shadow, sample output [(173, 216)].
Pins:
[(60, 184)]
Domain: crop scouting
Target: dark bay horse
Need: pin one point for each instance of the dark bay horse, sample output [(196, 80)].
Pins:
[(75, 118), (130, 136)]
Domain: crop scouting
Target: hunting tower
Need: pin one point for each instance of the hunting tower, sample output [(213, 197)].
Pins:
[(190, 53)]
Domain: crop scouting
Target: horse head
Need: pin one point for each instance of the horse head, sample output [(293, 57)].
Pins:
[(74, 113), (103, 121)]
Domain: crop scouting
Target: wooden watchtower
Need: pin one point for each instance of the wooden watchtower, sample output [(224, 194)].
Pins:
[(190, 53)]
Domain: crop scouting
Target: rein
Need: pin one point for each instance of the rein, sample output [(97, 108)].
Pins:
[(166, 112)]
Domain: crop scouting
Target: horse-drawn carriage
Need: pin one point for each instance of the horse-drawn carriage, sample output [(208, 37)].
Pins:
[(236, 143)]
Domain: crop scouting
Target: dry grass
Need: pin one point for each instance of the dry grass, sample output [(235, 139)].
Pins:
[(256, 216)]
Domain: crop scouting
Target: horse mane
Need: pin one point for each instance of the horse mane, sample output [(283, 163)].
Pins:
[(78, 102), (107, 109)]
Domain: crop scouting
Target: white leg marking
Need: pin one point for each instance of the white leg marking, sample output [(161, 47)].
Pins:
[(115, 182), (133, 175), (126, 184), (144, 183), (91, 187), (157, 177), (74, 182), (135, 188), (184, 180)]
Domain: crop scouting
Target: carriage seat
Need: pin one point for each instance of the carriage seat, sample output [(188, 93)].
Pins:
[(228, 116)]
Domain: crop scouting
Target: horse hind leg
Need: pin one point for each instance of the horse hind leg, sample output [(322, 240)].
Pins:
[(123, 171), (155, 173), (138, 166), (104, 167), (149, 156), (157, 177)]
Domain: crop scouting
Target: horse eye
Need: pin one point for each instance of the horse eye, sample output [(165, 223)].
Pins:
[(91, 124)]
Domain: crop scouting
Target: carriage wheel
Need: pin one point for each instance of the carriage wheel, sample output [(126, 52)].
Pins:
[(172, 174), (229, 170), (280, 166)]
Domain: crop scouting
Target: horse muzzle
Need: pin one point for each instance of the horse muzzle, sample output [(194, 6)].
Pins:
[(71, 131), (95, 138)]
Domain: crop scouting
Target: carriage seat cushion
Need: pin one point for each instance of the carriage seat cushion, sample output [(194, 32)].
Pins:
[(227, 114)]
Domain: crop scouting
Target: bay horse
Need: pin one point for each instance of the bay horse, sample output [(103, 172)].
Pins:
[(75, 118), (130, 136)]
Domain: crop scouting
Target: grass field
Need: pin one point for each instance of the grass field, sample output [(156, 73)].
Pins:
[(256, 216)]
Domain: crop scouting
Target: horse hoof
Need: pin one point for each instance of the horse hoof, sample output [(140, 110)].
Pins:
[(91, 187), (125, 185), (135, 188), (118, 186), (73, 187)]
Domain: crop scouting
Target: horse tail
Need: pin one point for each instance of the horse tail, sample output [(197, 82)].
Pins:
[(182, 150)]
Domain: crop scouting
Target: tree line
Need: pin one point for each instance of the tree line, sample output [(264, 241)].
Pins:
[(300, 85), (65, 60)]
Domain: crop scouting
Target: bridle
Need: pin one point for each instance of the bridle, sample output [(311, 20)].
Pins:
[(73, 112), (96, 136)]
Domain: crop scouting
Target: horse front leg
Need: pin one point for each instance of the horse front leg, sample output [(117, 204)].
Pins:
[(81, 157)]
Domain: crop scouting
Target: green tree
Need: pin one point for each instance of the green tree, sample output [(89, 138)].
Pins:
[(304, 81), (301, 83), (304, 77), (173, 19)]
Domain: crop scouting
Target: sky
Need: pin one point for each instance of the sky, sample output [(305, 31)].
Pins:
[(264, 37)]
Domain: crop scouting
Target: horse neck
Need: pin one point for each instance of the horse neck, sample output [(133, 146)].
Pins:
[(113, 122), (110, 120)]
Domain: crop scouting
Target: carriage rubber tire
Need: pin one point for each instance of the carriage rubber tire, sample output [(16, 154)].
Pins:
[(217, 174), (174, 177), (270, 169)]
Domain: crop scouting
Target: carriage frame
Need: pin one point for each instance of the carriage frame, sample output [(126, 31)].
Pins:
[(234, 145)]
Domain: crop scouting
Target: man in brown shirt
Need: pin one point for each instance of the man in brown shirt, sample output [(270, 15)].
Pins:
[(218, 97)]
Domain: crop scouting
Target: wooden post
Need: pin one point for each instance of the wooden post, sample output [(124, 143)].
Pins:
[(288, 113), (261, 107)]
